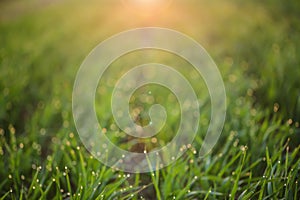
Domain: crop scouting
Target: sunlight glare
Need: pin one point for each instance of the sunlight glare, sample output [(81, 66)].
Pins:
[(147, 7)]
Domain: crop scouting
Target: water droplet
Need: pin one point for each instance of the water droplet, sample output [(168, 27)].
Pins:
[(154, 140)]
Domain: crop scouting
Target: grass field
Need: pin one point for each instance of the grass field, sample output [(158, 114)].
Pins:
[(256, 47)]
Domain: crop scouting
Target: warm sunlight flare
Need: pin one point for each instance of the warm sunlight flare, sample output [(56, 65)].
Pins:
[(149, 99), (147, 7)]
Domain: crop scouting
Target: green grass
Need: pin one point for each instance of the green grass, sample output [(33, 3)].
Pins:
[(256, 48)]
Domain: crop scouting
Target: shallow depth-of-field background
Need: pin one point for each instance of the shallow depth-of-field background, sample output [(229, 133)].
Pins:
[(256, 46)]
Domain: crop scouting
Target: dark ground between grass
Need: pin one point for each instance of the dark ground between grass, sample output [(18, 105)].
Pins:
[(256, 47)]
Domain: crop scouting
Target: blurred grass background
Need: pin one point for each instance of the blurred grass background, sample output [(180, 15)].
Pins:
[(256, 47)]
